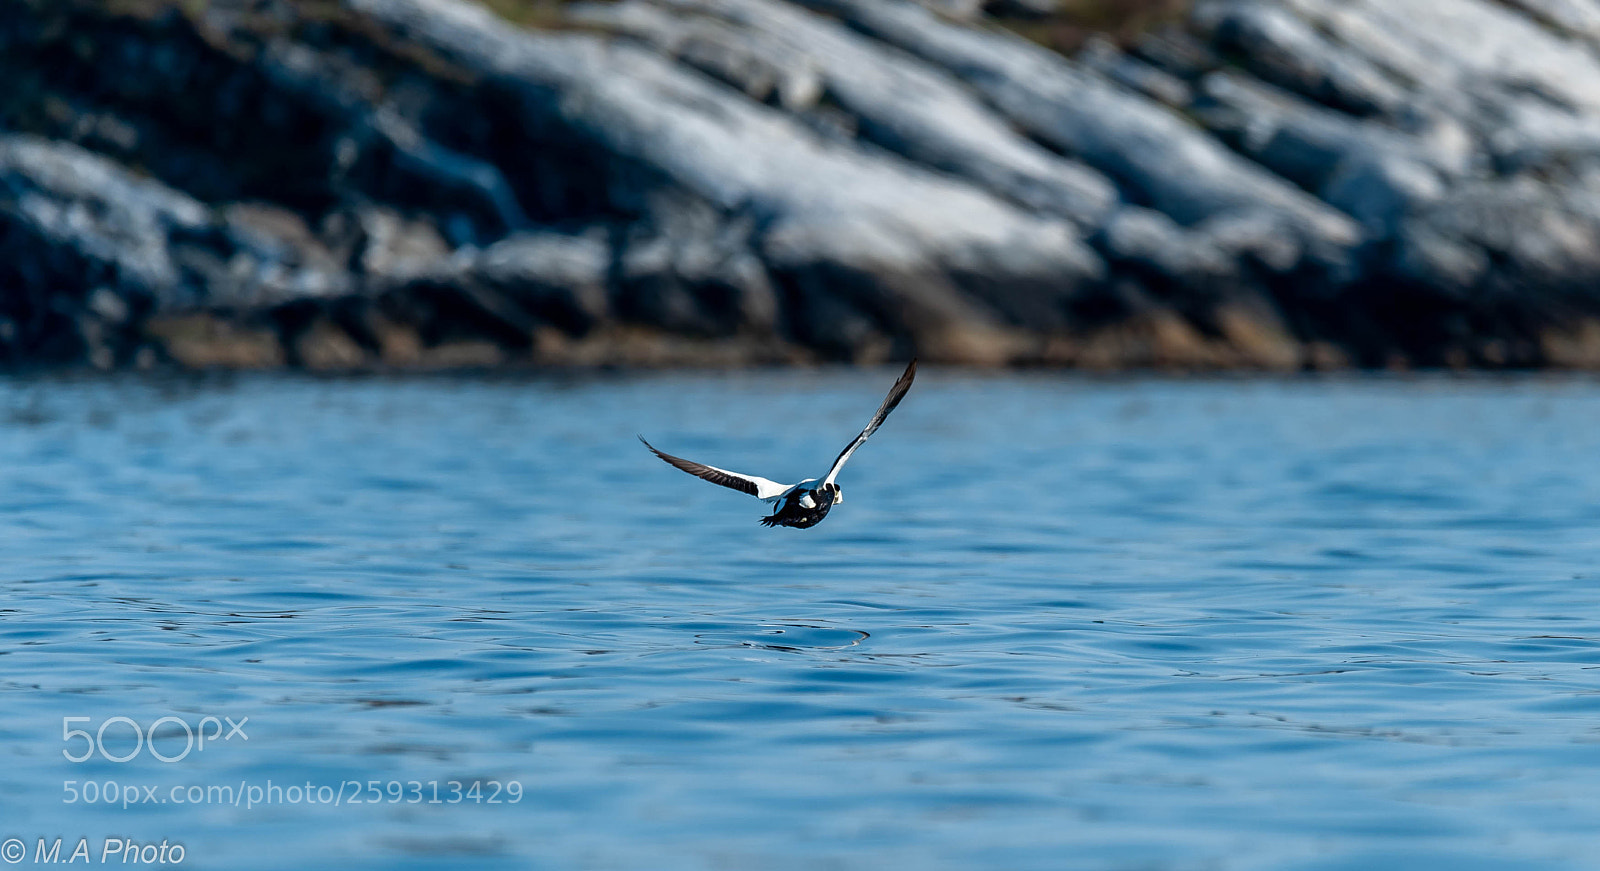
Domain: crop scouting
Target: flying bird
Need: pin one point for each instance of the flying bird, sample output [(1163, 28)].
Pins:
[(801, 505)]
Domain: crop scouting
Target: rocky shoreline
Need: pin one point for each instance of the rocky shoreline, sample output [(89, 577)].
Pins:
[(357, 184)]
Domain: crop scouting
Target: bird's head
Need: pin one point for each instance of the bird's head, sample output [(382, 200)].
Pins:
[(835, 491)]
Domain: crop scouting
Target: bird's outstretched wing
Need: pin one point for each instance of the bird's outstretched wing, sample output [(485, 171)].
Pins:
[(760, 488), (896, 393)]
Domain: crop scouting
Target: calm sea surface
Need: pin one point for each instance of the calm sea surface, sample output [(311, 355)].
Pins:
[(1057, 623)]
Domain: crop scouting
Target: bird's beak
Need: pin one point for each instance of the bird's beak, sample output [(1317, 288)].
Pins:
[(838, 497)]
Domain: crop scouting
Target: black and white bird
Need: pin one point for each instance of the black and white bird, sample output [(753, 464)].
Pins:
[(801, 505)]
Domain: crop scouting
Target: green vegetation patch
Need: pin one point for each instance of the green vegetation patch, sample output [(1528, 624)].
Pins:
[(542, 14), (1074, 21)]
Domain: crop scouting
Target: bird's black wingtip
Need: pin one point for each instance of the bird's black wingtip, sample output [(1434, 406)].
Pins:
[(909, 375)]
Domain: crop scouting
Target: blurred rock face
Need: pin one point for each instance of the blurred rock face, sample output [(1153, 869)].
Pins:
[(411, 183)]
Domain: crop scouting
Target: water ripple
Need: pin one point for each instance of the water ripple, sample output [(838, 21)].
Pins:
[(1059, 622)]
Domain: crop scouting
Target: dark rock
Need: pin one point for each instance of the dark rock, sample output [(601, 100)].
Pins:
[(84, 251), (399, 164), (706, 281), (1543, 138), (1543, 239), (357, 183), (107, 223), (1035, 9), (1579, 18), (1102, 56), (1465, 55), (1380, 192), (898, 102), (1156, 156), (1287, 51), (1176, 52), (767, 67), (513, 286), (1152, 245), (1370, 171), (887, 224), (392, 247)]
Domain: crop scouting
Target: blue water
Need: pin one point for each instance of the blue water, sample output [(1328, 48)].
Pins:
[(1057, 622)]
